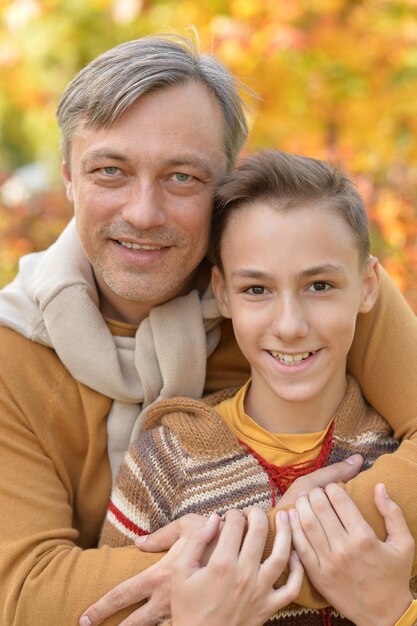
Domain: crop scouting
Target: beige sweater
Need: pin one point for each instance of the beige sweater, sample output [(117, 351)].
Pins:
[(55, 477)]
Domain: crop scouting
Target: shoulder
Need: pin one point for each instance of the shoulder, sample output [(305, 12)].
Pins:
[(197, 426), (39, 385), (26, 365)]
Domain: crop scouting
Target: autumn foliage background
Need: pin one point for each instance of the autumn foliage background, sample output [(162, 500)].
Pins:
[(336, 79)]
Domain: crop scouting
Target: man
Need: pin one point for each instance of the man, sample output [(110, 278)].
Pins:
[(117, 314)]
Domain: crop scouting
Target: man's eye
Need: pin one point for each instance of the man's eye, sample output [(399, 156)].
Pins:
[(319, 285), (256, 290), (110, 170), (182, 178)]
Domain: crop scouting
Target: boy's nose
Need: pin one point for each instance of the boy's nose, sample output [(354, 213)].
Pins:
[(290, 321)]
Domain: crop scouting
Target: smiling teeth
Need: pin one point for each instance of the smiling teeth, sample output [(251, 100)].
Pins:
[(291, 359), (137, 246)]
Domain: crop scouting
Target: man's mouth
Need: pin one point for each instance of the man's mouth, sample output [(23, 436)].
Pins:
[(138, 246), (291, 359)]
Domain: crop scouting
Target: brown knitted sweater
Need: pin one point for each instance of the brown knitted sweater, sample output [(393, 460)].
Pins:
[(188, 461)]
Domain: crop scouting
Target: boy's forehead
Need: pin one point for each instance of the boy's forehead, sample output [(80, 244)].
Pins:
[(304, 236)]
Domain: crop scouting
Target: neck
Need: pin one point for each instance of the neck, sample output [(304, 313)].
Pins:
[(278, 415), (134, 312)]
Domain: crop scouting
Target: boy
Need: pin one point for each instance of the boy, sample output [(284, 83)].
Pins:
[(293, 270)]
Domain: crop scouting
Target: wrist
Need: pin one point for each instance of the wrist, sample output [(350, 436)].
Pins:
[(389, 616)]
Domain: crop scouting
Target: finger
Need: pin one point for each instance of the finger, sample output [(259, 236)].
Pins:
[(279, 598), (127, 593), (146, 615), (331, 524), (230, 538), (275, 564), (305, 550), (189, 559), (254, 541), (397, 529), (346, 510), (311, 525)]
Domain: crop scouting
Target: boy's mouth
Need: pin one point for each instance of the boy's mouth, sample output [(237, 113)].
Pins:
[(291, 359)]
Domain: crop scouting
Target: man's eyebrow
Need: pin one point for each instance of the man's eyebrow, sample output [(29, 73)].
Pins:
[(103, 154)]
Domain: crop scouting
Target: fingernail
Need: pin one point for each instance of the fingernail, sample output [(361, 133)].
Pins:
[(295, 555), (384, 491), (292, 513), (283, 516), (300, 494), (211, 518), (85, 621), (353, 460), (138, 542)]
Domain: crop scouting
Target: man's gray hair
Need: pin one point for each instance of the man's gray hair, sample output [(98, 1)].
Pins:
[(111, 83)]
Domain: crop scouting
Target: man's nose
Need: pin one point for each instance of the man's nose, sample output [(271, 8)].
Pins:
[(143, 207)]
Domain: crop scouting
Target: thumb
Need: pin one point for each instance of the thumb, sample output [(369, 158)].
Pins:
[(162, 539), (395, 524), (339, 472)]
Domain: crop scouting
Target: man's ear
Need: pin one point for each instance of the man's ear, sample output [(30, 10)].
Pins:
[(66, 176), (220, 292), (371, 280)]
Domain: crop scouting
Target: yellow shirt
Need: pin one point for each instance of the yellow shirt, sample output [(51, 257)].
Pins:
[(410, 616), (277, 448)]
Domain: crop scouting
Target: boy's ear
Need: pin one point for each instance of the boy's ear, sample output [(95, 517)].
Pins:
[(66, 176), (220, 292), (371, 280)]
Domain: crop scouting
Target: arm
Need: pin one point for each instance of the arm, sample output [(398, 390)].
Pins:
[(54, 485), (365, 579), (382, 358)]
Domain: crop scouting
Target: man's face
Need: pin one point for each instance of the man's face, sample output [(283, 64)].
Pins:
[(142, 192), (293, 287)]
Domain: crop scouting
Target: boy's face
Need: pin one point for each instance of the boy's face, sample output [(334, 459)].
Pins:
[(293, 287)]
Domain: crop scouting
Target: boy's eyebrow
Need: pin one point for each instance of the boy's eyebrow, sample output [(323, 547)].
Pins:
[(249, 273), (323, 269), (311, 271)]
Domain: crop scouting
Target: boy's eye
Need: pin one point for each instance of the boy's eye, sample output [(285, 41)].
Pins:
[(256, 290), (319, 285)]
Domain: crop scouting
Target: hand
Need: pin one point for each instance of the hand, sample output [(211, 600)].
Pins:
[(337, 473), (153, 584), (234, 588), (365, 579)]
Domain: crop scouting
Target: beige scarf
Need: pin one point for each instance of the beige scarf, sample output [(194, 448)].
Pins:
[(54, 301)]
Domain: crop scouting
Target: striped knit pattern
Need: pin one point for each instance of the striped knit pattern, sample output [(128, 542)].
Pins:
[(190, 462)]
